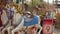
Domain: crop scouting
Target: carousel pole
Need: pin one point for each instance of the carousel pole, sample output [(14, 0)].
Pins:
[(56, 4), (48, 4), (32, 5), (22, 5)]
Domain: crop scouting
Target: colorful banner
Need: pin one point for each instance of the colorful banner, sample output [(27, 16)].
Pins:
[(47, 26)]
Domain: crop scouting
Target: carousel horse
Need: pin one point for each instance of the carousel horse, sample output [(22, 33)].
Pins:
[(4, 22), (29, 27), (9, 15), (16, 21), (1, 23)]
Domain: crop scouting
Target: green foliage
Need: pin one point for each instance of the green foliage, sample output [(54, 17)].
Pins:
[(34, 3), (41, 0)]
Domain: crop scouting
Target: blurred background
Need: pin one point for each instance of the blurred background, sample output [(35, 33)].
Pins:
[(41, 6)]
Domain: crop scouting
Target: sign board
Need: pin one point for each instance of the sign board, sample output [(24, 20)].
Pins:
[(47, 26)]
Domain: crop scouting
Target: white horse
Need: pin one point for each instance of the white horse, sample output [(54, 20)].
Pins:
[(16, 21), (21, 26), (4, 20)]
